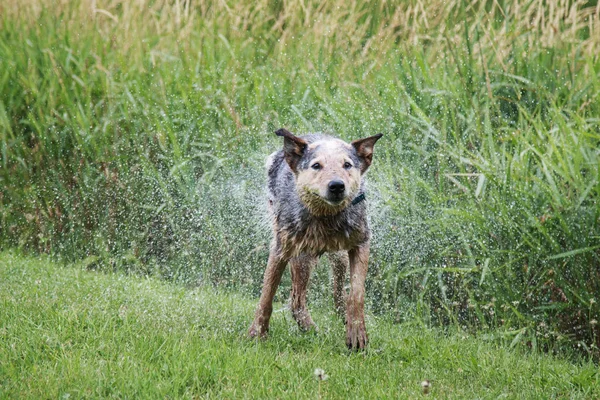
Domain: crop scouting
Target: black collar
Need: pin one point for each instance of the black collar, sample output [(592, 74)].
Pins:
[(358, 199)]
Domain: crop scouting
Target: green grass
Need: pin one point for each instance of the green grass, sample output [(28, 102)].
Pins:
[(68, 332), (132, 136)]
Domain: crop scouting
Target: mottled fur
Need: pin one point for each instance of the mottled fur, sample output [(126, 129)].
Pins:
[(312, 183)]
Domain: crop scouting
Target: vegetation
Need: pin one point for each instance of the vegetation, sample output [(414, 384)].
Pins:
[(67, 332), (132, 135)]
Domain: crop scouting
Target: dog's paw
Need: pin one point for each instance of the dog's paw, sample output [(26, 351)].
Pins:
[(305, 322), (341, 314), (356, 335), (256, 332), (308, 326)]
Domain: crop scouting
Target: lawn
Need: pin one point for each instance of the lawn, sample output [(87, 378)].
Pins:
[(67, 332)]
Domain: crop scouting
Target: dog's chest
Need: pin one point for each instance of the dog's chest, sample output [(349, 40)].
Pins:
[(319, 236)]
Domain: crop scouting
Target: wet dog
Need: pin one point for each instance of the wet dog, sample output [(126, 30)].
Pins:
[(316, 193)]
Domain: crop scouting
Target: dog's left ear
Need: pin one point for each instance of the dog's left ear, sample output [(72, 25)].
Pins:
[(364, 150), (293, 148)]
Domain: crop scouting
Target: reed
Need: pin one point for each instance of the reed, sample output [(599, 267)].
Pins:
[(132, 135)]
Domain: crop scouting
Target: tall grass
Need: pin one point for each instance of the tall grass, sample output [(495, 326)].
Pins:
[(132, 134)]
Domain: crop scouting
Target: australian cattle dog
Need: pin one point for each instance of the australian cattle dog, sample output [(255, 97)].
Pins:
[(316, 193)]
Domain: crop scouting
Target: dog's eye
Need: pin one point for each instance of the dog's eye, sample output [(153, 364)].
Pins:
[(316, 166), (347, 165)]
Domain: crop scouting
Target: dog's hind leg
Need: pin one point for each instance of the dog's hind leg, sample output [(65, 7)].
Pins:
[(300, 268), (339, 265), (272, 278)]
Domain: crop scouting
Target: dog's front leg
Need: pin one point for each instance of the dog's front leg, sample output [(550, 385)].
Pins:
[(356, 333), (275, 267)]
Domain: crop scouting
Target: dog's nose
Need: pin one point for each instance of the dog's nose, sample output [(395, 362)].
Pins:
[(337, 187)]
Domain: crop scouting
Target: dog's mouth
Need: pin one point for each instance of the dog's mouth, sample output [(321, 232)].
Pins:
[(334, 200), (323, 205)]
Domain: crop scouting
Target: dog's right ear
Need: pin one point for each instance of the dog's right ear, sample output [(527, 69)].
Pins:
[(293, 147), (364, 150)]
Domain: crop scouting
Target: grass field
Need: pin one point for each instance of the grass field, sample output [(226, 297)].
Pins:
[(132, 136), (66, 332)]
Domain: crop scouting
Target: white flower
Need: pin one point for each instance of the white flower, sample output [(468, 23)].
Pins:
[(426, 385), (320, 374)]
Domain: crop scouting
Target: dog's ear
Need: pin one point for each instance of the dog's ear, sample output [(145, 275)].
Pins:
[(364, 150), (293, 147)]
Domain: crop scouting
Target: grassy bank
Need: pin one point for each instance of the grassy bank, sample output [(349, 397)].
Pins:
[(132, 135), (65, 331)]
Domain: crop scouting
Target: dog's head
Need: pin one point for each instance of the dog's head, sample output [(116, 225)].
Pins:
[(328, 170)]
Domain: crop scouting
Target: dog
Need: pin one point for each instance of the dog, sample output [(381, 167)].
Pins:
[(316, 193)]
